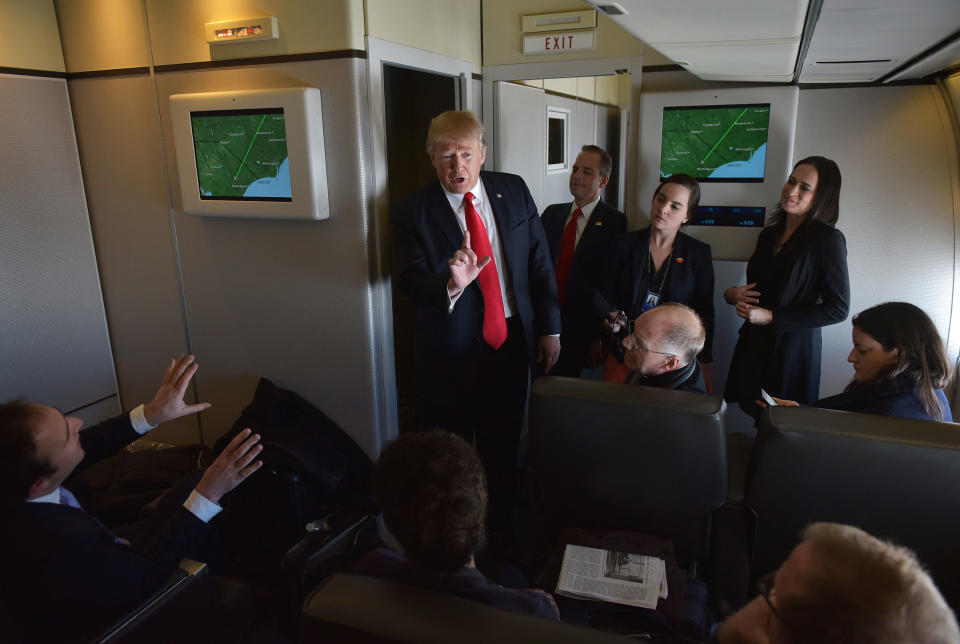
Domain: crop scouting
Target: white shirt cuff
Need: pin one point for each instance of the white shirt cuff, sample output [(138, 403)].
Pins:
[(201, 507), (139, 421), (451, 301)]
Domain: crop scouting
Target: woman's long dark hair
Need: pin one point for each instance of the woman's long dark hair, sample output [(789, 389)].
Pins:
[(921, 357), (826, 198)]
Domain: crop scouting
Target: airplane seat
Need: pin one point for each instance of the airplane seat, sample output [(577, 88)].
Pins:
[(355, 608), (605, 456), (896, 478)]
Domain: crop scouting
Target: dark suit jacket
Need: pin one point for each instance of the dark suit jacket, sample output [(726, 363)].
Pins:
[(690, 280), (807, 286), (468, 583), (895, 397), (580, 324), (64, 577), (427, 234)]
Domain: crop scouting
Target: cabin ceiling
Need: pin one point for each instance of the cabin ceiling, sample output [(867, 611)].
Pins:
[(774, 41)]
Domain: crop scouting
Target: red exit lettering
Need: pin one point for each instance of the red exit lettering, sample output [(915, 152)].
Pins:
[(558, 42)]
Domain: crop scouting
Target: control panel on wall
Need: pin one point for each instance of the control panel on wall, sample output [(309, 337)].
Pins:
[(251, 153)]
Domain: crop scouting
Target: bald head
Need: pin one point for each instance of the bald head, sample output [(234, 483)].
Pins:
[(665, 338)]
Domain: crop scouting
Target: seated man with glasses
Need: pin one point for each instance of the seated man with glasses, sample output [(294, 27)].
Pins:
[(843, 585), (662, 351)]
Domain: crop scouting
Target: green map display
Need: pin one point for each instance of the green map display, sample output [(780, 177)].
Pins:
[(242, 154), (715, 143)]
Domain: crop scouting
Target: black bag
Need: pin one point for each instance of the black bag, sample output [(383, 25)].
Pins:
[(311, 468)]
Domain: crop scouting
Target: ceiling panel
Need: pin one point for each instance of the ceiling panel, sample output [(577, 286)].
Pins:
[(759, 40), (889, 32)]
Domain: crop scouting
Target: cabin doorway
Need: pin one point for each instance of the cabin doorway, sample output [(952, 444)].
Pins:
[(411, 98), (407, 87)]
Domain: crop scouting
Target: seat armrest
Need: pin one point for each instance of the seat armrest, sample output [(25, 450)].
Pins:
[(181, 579)]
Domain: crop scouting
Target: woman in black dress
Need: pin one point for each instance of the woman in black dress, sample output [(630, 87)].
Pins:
[(661, 264), (797, 282)]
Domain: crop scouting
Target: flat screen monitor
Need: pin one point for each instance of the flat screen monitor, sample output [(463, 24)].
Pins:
[(722, 143), (251, 153), (242, 154)]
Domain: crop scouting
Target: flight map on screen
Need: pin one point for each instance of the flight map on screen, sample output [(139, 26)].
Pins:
[(242, 154), (715, 143)]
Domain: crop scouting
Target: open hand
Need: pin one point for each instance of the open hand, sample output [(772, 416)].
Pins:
[(737, 294), (234, 464), (168, 402), (464, 267)]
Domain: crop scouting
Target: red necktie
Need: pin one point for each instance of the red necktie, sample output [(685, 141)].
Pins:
[(567, 246), (494, 322)]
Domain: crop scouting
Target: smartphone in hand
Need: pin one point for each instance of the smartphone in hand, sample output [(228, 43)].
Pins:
[(767, 398)]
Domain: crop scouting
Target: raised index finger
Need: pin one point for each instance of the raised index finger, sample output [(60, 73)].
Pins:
[(466, 239)]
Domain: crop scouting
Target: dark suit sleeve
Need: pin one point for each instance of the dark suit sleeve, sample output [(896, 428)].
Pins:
[(106, 439), (833, 283), (116, 576), (607, 295), (543, 280), (414, 276), (702, 301)]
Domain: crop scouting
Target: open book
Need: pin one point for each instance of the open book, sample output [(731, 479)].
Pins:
[(609, 575)]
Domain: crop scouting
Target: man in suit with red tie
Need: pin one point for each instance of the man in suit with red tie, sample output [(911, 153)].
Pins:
[(471, 255), (579, 235)]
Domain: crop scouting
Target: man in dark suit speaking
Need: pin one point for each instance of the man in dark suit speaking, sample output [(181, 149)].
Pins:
[(65, 575), (579, 235), (471, 255)]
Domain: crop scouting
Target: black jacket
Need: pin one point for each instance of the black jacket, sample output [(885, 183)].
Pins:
[(426, 235), (580, 324), (807, 286), (689, 280)]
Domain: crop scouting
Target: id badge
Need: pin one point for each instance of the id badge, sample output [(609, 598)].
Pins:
[(650, 301)]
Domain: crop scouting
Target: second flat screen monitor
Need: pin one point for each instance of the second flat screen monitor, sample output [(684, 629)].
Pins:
[(716, 142), (242, 154)]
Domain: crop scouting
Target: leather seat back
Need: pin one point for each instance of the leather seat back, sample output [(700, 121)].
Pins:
[(896, 478), (606, 456)]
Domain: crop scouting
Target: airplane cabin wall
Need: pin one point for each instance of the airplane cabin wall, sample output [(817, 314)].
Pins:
[(54, 343)]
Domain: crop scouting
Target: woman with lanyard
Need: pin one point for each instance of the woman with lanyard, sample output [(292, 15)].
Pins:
[(654, 265), (797, 282)]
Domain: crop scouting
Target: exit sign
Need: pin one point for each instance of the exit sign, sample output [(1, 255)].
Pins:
[(559, 43)]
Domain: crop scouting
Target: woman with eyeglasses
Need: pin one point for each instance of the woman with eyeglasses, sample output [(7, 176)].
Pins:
[(797, 282), (900, 366), (658, 264)]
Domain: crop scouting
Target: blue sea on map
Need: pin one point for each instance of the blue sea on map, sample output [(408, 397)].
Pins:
[(278, 186), (752, 169)]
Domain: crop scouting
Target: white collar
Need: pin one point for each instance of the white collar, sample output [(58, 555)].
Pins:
[(456, 200), (53, 497)]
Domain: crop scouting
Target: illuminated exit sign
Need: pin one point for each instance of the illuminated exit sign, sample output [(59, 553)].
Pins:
[(559, 43)]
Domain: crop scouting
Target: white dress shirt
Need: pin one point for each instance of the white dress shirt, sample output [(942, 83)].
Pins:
[(481, 202), (199, 505), (584, 220)]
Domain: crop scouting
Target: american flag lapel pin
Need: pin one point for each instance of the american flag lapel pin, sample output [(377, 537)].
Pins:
[(499, 196)]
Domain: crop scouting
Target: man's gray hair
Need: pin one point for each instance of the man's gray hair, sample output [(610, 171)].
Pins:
[(686, 338)]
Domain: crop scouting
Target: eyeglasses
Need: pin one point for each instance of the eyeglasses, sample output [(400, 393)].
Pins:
[(766, 590), (634, 343)]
